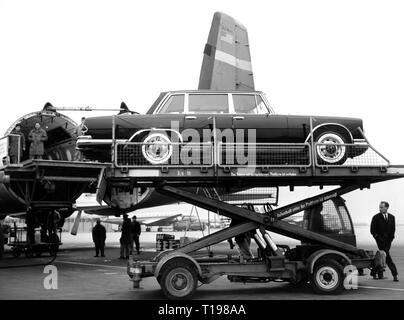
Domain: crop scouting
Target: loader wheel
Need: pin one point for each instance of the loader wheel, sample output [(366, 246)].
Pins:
[(328, 277), (178, 279)]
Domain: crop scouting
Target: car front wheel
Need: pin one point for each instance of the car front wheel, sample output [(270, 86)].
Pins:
[(330, 148)]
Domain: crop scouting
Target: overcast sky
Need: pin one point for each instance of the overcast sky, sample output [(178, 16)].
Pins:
[(342, 58)]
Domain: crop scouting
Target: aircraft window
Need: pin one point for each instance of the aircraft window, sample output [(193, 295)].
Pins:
[(174, 104), (244, 103), (208, 103)]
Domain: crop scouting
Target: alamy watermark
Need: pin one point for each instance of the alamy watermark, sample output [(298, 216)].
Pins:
[(50, 282), (351, 277)]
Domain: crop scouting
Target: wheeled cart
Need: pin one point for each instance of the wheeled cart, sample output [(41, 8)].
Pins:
[(20, 244)]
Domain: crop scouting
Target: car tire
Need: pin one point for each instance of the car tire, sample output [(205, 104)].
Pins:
[(178, 279), (327, 277), (156, 149), (330, 151)]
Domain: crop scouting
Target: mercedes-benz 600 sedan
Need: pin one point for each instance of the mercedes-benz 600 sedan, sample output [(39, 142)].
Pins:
[(189, 116)]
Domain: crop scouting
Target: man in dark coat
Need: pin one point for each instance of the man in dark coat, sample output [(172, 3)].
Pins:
[(37, 136), (17, 144), (382, 228), (99, 236), (135, 231), (126, 238)]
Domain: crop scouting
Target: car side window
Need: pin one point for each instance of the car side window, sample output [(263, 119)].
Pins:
[(208, 103), (244, 103), (174, 104)]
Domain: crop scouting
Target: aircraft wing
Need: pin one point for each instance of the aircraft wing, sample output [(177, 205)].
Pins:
[(103, 210), (158, 221), (226, 61), (148, 221)]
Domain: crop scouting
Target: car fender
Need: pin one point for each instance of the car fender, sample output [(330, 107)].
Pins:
[(156, 130), (330, 124), (316, 256), (175, 255)]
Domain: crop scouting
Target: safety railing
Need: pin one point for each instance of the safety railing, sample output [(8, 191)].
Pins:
[(149, 155), (251, 155), (264, 155), (348, 155)]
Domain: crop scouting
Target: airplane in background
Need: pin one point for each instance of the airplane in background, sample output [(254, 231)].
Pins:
[(149, 220)]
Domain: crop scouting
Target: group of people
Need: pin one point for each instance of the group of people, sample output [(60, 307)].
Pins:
[(37, 137), (130, 233)]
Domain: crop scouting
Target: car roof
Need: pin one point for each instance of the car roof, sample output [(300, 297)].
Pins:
[(211, 91)]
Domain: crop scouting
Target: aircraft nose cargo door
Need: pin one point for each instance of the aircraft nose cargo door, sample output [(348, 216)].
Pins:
[(331, 218)]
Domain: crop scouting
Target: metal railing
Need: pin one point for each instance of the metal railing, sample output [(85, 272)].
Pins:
[(350, 155), (258, 155), (251, 155), (178, 155), (264, 155)]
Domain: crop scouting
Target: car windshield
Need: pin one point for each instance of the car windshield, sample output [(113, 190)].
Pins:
[(156, 103), (174, 104)]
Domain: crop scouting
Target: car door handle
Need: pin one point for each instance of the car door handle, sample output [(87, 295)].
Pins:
[(190, 117), (238, 118)]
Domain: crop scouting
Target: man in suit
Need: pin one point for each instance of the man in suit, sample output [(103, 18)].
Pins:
[(126, 238), (382, 228), (99, 236), (136, 231)]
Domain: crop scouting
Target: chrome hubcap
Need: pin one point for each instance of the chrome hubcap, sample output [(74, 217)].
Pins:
[(330, 148)]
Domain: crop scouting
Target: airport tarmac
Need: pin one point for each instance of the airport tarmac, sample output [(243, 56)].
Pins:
[(82, 276)]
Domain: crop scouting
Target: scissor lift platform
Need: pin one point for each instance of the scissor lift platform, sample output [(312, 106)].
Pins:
[(321, 260)]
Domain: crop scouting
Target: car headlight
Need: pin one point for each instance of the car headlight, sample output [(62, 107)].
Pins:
[(157, 148)]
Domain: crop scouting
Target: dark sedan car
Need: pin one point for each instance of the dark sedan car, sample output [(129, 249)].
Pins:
[(229, 118)]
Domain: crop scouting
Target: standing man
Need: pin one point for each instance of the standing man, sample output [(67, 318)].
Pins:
[(126, 238), (53, 220), (80, 130), (99, 236), (37, 136), (382, 228), (136, 231), (17, 144)]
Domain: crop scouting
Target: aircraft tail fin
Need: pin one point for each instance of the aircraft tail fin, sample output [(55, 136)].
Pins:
[(226, 61)]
